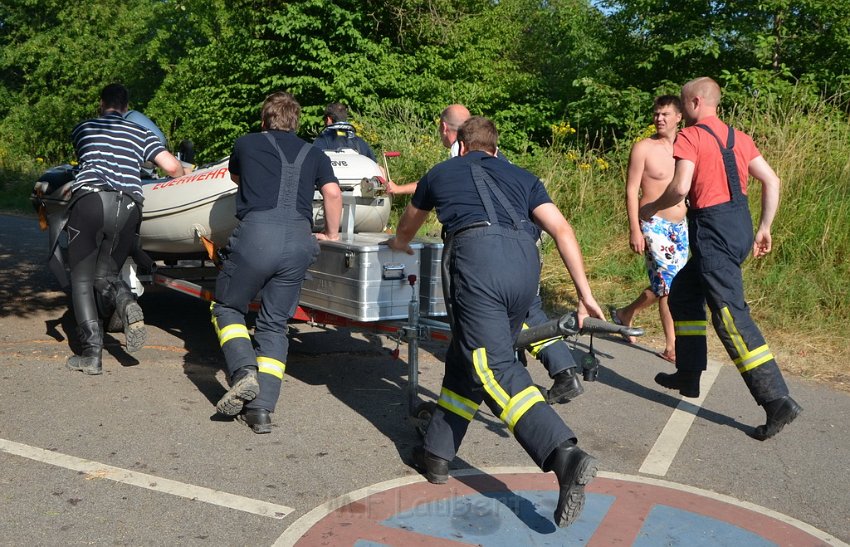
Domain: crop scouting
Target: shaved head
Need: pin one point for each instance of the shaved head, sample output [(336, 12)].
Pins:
[(454, 115), (703, 87), (451, 118)]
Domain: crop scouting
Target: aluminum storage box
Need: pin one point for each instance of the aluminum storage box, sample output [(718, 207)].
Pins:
[(431, 301), (357, 278)]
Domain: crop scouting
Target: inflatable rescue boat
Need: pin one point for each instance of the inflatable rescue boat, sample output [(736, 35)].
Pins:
[(178, 212)]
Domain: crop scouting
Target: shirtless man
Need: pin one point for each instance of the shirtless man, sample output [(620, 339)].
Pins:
[(663, 240)]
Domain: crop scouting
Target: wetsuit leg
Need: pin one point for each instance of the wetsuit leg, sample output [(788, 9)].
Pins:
[(85, 236)]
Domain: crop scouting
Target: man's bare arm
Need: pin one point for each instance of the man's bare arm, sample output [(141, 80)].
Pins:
[(637, 163), (332, 203), (168, 163), (761, 171), (410, 222), (394, 189)]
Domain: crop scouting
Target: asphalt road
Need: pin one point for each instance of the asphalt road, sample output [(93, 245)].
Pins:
[(137, 456)]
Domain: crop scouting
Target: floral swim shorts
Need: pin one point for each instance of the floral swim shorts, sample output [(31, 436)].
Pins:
[(666, 251)]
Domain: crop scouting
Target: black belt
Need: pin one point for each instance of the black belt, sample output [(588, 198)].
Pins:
[(479, 224)]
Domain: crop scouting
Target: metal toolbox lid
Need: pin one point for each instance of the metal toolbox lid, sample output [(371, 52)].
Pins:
[(364, 242)]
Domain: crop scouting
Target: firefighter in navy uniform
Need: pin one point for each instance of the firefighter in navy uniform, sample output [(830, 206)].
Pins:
[(269, 251), (713, 162), (486, 206), (553, 354), (339, 134)]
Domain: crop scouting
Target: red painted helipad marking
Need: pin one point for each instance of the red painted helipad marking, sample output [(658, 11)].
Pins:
[(359, 515)]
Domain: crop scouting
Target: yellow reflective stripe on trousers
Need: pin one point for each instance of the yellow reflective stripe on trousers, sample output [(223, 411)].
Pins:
[(271, 366), (690, 328), (228, 333), (456, 404), (491, 386), (752, 359), (732, 331), (537, 347), (213, 318), (519, 405)]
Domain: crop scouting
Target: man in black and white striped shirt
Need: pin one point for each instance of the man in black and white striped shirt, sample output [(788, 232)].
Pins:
[(104, 213)]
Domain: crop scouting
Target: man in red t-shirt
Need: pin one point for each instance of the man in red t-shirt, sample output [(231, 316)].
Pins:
[(713, 162)]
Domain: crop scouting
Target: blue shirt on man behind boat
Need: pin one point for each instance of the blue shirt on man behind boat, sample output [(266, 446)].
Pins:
[(260, 179), (450, 189)]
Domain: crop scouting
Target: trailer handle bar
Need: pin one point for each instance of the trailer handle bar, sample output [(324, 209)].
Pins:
[(567, 325)]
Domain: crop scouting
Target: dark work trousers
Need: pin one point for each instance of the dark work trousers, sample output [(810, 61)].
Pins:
[(268, 252), (490, 299), (101, 233), (553, 353), (721, 238)]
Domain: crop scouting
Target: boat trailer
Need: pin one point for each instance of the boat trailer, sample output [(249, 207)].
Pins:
[(195, 281)]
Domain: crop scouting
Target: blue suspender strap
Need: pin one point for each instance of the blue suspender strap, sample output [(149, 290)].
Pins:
[(482, 183), (290, 173), (730, 165)]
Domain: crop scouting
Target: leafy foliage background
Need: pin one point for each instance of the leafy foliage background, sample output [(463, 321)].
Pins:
[(200, 68)]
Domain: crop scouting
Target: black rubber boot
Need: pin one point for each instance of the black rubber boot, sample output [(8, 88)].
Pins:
[(243, 388), (780, 413), (90, 361), (258, 419), (132, 318), (574, 469), (687, 382), (435, 469), (566, 387)]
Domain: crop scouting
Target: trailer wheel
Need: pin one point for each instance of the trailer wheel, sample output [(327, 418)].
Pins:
[(425, 410), (422, 417)]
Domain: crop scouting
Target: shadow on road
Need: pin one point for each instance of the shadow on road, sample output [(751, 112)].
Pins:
[(611, 378), (26, 285), (188, 319), (363, 375)]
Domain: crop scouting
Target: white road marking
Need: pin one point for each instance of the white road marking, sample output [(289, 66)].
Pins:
[(664, 451), (96, 470)]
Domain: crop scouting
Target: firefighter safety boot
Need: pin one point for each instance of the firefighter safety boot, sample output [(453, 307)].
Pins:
[(258, 419), (566, 387), (780, 413), (686, 381), (574, 469), (435, 469), (243, 388)]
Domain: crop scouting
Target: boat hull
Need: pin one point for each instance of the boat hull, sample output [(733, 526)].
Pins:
[(178, 212)]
